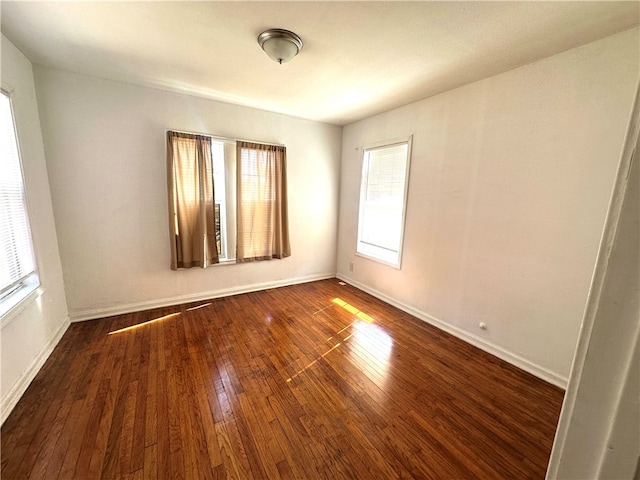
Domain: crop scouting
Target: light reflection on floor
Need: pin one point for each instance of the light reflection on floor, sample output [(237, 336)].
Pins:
[(159, 319), (369, 346), (133, 327), (198, 306), (371, 350)]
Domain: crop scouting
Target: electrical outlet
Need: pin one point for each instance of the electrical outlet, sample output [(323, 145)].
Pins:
[(351, 266)]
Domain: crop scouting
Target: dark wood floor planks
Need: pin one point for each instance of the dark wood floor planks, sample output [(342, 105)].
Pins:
[(284, 383)]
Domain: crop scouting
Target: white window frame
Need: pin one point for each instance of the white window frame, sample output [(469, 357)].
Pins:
[(219, 169), (228, 213), (375, 252), (25, 287)]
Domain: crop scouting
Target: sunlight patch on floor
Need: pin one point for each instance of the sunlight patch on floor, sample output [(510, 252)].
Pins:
[(313, 363), (133, 327), (198, 306), (370, 347), (353, 310)]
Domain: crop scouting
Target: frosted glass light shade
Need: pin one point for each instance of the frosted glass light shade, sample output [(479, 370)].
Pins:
[(280, 45)]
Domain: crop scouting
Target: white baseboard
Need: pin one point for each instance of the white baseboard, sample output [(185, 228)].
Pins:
[(518, 361), (92, 314), (14, 394)]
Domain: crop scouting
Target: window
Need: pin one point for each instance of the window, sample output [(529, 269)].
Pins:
[(18, 275), (263, 226), (211, 193), (383, 193)]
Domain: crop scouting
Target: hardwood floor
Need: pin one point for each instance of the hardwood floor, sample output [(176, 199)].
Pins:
[(313, 381)]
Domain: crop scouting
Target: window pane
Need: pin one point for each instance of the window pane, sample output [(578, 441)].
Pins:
[(381, 226), (386, 174), (16, 251), (382, 201)]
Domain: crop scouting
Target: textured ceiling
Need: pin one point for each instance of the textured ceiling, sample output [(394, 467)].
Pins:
[(359, 58)]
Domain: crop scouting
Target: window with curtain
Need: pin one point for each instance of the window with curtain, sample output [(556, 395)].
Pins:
[(195, 233), (18, 276), (225, 197), (262, 215), (383, 194)]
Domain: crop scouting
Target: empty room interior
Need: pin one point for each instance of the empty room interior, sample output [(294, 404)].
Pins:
[(320, 240)]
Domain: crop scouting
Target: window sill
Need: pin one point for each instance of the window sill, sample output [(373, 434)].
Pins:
[(230, 261), (380, 256), (11, 306)]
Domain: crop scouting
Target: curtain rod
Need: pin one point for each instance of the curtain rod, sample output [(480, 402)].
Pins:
[(226, 138)]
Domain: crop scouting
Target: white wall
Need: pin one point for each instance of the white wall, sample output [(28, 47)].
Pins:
[(509, 185), (621, 450), (37, 324), (599, 429), (105, 144)]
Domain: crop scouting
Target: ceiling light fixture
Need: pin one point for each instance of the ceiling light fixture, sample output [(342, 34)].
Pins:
[(281, 45)]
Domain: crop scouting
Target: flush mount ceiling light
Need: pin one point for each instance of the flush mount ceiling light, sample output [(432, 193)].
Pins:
[(281, 45)]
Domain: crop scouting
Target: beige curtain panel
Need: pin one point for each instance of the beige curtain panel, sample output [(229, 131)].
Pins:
[(191, 208), (263, 223)]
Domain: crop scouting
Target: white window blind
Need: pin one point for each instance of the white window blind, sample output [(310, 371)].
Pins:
[(382, 202), (17, 264), (262, 219), (256, 190)]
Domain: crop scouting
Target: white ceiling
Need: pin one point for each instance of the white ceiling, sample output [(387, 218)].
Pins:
[(359, 58)]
